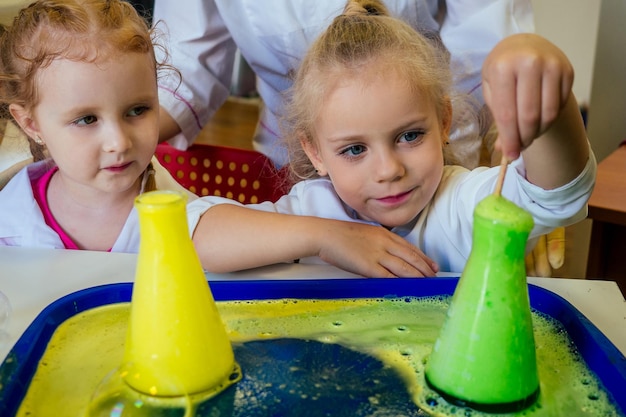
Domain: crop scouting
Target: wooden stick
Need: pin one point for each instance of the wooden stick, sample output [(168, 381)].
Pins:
[(503, 164)]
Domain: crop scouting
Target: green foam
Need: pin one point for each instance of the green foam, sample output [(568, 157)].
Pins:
[(398, 331)]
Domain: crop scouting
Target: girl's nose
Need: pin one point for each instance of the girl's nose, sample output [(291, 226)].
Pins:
[(389, 167), (117, 139)]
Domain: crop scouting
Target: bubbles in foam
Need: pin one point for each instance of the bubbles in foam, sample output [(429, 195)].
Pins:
[(372, 327)]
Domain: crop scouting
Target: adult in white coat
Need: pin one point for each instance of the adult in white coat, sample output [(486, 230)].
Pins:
[(273, 36)]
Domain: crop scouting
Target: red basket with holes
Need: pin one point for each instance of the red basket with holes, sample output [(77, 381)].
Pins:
[(239, 174)]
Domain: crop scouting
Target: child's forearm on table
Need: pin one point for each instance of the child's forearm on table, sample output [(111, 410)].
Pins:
[(230, 238)]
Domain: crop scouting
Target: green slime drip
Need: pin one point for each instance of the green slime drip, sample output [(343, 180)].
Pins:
[(398, 331)]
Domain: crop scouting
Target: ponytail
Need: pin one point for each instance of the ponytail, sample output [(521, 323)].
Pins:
[(148, 181), (365, 7)]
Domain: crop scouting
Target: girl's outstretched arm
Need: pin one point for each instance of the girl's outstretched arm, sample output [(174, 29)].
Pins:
[(527, 84), (230, 238), (560, 154)]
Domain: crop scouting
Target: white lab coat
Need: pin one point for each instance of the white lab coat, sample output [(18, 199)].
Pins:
[(273, 36)]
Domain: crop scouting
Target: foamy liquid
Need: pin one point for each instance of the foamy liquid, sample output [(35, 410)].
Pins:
[(398, 331)]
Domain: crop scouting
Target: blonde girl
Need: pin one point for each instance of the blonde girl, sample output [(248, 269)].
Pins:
[(369, 117)]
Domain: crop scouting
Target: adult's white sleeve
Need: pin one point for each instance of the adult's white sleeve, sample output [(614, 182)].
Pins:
[(472, 28), (203, 51)]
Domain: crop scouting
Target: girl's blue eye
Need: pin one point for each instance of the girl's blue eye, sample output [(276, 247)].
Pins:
[(354, 150), (137, 111), (86, 120), (411, 136)]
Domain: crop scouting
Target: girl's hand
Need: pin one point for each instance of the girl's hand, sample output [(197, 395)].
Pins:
[(374, 251), (526, 83)]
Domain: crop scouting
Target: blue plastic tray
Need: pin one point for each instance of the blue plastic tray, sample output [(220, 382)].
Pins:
[(601, 355)]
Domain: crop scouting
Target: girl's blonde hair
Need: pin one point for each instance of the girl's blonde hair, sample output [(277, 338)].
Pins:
[(361, 40), (81, 30)]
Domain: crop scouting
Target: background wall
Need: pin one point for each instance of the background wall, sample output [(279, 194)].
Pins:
[(572, 25), (592, 34), (607, 106)]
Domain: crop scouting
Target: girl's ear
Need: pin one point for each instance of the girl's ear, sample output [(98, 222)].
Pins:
[(312, 152), (24, 118)]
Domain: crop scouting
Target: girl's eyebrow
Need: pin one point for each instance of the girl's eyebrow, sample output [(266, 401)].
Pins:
[(144, 97), (78, 111), (81, 109), (344, 139), (409, 124)]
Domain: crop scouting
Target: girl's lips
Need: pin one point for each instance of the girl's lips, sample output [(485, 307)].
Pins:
[(396, 199), (118, 168)]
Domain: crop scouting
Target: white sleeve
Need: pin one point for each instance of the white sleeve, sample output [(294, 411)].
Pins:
[(552, 208), (448, 231), (199, 206), (201, 48), (561, 206), (306, 198)]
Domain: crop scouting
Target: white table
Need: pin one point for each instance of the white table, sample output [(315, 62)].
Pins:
[(34, 278)]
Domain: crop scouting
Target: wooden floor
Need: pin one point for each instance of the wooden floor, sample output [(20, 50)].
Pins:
[(233, 124)]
